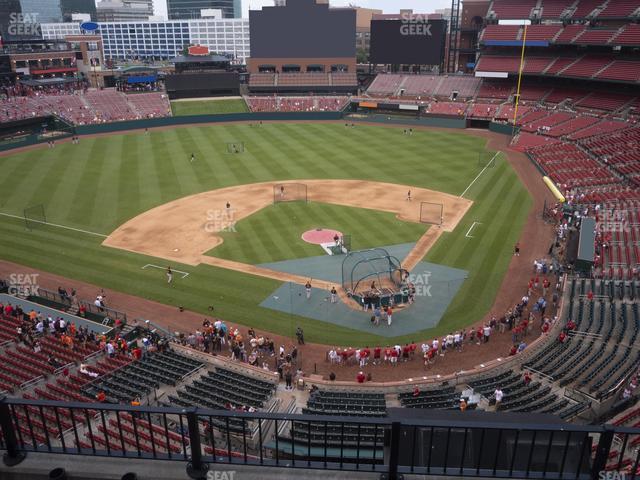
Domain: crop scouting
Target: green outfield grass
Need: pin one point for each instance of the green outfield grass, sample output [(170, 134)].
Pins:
[(208, 107), (102, 182), (274, 233)]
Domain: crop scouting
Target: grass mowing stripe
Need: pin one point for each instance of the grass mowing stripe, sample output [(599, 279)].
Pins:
[(444, 161)]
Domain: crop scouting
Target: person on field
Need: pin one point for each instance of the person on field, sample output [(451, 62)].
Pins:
[(169, 275), (334, 295), (307, 289)]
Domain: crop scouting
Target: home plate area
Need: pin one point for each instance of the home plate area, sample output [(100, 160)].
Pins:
[(436, 286)]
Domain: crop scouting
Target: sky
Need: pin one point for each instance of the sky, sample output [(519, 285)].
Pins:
[(389, 6)]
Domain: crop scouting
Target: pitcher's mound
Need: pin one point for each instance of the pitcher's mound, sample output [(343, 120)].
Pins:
[(320, 236)]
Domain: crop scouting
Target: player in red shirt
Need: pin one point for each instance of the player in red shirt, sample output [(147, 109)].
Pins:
[(360, 377)]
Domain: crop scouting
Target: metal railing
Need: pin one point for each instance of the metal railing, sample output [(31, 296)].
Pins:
[(469, 447)]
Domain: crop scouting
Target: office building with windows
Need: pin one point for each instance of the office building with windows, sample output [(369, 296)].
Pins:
[(164, 40), (191, 9)]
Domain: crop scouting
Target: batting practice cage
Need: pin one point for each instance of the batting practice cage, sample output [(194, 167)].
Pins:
[(432, 213), (34, 217), (360, 269), (289, 192), (235, 147)]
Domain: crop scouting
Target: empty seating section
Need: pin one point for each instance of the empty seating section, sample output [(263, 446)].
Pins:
[(573, 125), (542, 32), (483, 110), (559, 64), (149, 105), (569, 33), (386, 84), (621, 151), (621, 70), (420, 85), (496, 63), (513, 9), (467, 86), (507, 112), (586, 67), (448, 108), (603, 127), (524, 141), (604, 101), (619, 9), (629, 36), (555, 8), (501, 33), (586, 7), (224, 389), (532, 116), (533, 92), (570, 167), (596, 36), (558, 95), (496, 90), (141, 377), (303, 79), (547, 122), (338, 439), (443, 398), (327, 402), (536, 64), (108, 105)]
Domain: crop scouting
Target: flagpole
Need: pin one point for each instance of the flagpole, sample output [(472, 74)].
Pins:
[(515, 112)]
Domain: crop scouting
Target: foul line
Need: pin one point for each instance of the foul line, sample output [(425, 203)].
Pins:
[(184, 274), (471, 228), (474, 180), (55, 225)]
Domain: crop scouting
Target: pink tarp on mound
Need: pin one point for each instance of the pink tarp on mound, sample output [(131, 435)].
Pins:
[(319, 236)]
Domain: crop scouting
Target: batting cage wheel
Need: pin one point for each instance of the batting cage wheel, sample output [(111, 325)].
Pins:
[(235, 147), (290, 192), (432, 213), (34, 217)]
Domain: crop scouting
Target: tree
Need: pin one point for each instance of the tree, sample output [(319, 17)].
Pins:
[(362, 56)]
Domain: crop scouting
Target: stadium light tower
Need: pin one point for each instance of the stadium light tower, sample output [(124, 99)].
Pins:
[(525, 23)]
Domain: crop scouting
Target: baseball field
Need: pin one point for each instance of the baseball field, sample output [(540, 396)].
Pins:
[(90, 190)]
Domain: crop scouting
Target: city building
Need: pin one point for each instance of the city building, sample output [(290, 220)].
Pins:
[(164, 40), (71, 7), (20, 19), (192, 9), (363, 31), (124, 10)]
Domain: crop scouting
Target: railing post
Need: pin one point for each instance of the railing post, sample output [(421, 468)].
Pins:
[(13, 456), (602, 452), (195, 468), (394, 453)]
